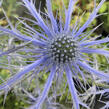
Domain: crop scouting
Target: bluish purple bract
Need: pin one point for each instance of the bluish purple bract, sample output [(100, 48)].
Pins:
[(60, 49)]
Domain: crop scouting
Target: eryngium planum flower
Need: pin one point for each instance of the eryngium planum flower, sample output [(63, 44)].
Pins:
[(58, 48)]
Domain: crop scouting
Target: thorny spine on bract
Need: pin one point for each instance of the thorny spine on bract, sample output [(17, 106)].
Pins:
[(63, 49)]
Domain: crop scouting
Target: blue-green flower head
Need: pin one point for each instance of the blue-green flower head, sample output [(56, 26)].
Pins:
[(58, 47)]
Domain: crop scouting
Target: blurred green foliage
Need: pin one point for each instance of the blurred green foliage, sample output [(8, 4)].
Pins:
[(12, 10), (105, 18), (11, 7)]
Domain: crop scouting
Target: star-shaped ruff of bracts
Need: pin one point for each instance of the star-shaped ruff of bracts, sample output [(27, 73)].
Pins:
[(58, 46)]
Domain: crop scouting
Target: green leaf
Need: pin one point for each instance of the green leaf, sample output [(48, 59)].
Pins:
[(103, 8)]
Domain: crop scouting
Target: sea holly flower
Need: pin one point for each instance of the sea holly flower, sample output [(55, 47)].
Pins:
[(58, 48)]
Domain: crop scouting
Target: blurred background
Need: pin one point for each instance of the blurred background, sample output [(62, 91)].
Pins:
[(13, 9)]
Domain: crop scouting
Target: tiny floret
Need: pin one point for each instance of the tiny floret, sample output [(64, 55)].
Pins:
[(64, 49)]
